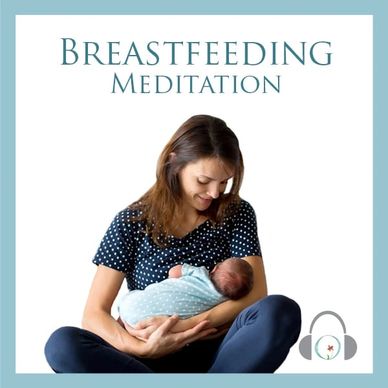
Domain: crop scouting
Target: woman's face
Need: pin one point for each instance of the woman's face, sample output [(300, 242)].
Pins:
[(202, 181)]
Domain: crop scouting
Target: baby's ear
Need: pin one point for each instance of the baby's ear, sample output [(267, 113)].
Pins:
[(214, 269)]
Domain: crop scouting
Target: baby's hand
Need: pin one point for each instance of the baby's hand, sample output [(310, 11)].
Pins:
[(175, 272)]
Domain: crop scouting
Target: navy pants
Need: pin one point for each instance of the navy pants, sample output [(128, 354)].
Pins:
[(257, 342)]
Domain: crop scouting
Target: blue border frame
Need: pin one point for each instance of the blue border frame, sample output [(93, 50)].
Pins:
[(10, 8)]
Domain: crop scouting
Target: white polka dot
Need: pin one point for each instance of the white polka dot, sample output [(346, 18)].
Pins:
[(128, 249)]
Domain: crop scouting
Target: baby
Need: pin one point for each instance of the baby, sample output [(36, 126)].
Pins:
[(188, 291)]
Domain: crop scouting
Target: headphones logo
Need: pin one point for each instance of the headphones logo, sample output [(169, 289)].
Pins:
[(327, 346)]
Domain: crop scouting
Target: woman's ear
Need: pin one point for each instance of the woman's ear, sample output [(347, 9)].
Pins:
[(172, 156)]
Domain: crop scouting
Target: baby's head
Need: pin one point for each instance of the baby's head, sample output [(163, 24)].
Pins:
[(232, 278)]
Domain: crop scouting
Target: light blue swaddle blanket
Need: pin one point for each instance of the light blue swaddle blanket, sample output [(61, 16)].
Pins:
[(186, 296)]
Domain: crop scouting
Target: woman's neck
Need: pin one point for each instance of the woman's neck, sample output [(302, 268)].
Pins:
[(187, 222)]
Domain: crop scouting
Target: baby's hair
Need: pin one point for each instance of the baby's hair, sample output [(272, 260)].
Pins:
[(235, 281)]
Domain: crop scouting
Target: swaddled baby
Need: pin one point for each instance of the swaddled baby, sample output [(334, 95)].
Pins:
[(188, 291)]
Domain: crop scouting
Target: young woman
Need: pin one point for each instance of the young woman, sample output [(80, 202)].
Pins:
[(185, 217)]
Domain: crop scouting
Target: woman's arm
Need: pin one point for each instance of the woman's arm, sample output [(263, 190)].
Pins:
[(97, 318)]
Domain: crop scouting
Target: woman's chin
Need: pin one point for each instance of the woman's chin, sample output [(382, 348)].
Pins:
[(203, 204)]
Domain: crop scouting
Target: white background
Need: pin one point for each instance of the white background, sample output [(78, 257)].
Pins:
[(83, 154)]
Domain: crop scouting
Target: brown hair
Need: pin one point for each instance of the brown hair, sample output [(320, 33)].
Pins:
[(233, 278), (201, 136)]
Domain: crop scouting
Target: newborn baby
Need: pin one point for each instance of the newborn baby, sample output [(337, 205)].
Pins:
[(188, 291)]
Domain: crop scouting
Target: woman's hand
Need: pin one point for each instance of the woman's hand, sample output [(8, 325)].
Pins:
[(162, 341), (143, 329), (146, 327)]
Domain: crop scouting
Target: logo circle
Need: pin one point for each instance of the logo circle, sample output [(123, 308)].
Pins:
[(327, 347)]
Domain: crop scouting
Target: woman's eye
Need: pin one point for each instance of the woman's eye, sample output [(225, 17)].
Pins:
[(202, 182)]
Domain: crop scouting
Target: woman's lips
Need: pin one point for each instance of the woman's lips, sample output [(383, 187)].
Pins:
[(205, 201)]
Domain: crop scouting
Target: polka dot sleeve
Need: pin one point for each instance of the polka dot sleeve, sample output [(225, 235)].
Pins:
[(119, 243), (245, 241)]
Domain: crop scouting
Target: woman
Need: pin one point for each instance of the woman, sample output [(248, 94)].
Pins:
[(185, 217)]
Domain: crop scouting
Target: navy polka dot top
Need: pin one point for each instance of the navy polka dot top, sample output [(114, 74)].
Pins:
[(126, 248)]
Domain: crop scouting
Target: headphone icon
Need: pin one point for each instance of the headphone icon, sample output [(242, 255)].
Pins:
[(305, 348)]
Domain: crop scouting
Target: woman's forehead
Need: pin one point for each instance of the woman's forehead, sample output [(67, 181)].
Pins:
[(212, 168)]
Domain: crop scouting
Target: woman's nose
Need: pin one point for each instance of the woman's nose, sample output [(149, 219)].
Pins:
[(214, 192)]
